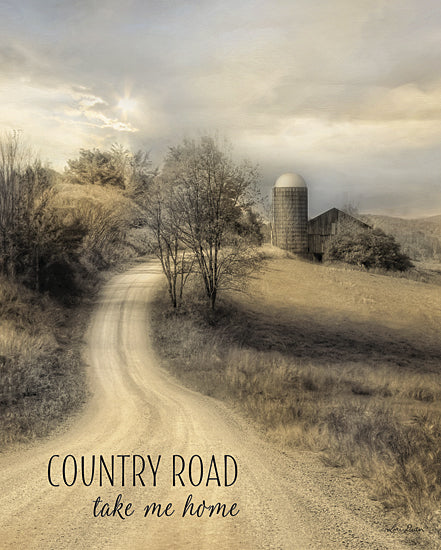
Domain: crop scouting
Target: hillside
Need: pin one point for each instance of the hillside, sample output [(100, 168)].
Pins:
[(336, 360), (419, 238)]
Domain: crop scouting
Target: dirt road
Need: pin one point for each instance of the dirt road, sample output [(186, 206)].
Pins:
[(286, 501)]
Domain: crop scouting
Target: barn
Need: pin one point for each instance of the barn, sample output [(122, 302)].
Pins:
[(327, 224), (290, 227)]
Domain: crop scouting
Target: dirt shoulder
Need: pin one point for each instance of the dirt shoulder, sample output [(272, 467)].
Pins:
[(340, 362), (287, 500)]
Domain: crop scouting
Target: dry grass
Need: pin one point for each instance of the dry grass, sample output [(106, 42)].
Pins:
[(40, 366), (339, 361)]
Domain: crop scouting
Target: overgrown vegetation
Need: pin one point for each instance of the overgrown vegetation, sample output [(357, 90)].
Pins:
[(117, 167), (58, 233), (369, 248), (56, 239), (41, 372), (317, 365)]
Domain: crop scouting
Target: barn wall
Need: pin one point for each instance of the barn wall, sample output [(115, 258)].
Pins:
[(325, 225), (316, 244)]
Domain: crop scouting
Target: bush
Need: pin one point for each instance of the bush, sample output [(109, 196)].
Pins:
[(368, 248), (41, 370)]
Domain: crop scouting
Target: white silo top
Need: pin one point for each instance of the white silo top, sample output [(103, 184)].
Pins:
[(290, 180)]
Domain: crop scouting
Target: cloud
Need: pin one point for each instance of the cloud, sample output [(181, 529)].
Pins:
[(87, 111), (347, 92)]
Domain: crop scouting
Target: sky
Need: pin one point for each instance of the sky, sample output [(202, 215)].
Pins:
[(346, 93)]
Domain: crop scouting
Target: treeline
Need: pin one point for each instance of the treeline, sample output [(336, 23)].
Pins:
[(57, 231), (420, 239)]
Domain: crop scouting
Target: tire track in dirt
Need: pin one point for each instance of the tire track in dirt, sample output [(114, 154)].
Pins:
[(285, 499)]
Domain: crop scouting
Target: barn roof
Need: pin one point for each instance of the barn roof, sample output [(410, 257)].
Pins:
[(334, 214)]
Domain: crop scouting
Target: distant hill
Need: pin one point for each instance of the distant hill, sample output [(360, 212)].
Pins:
[(433, 219), (419, 238)]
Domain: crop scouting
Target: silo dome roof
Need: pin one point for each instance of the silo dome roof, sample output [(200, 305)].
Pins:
[(290, 180)]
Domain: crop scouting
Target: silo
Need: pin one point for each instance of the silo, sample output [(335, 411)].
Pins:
[(290, 214)]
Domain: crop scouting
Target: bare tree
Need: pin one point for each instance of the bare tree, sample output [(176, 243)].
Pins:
[(162, 220), (212, 195), (11, 167), (351, 208), (25, 190)]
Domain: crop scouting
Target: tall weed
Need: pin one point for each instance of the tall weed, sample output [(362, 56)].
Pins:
[(378, 417)]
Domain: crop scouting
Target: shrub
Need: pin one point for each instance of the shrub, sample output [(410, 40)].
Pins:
[(368, 248)]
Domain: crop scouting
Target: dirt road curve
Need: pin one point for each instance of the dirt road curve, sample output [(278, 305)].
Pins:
[(285, 501)]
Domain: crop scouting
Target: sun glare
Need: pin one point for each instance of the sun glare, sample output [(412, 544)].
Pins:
[(126, 104)]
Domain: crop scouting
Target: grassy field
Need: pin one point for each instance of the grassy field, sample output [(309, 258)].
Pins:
[(340, 361), (41, 373)]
